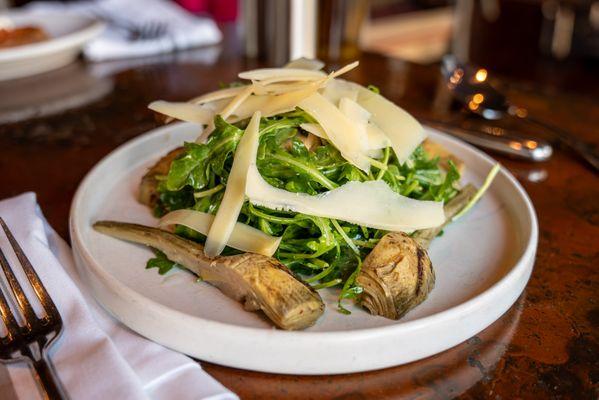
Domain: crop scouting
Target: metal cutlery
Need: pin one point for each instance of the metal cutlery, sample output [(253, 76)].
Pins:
[(151, 30), (499, 140), (31, 339), (135, 31), (469, 86)]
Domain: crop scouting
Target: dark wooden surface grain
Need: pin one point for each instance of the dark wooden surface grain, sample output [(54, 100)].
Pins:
[(544, 347)]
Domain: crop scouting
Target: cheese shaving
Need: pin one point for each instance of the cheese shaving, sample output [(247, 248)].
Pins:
[(243, 237), (338, 128), (230, 206), (281, 74), (359, 116), (402, 130), (337, 89), (371, 203), (183, 111), (376, 137), (236, 101), (305, 63), (314, 129)]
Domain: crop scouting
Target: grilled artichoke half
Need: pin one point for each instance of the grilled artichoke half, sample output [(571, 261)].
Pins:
[(396, 276), (259, 282), (148, 188)]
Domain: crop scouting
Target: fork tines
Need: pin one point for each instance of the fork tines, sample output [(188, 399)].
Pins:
[(36, 334), (30, 318)]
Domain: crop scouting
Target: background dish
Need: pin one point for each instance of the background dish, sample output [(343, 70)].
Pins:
[(482, 264), (68, 34)]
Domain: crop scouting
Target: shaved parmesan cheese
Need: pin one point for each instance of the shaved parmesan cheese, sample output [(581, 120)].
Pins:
[(314, 129), (230, 206), (243, 237), (376, 137), (284, 97), (371, 136), (305, 63), (281, 74), (205, 133), (278, 88), (288, 101), (325, 80), (343, 70), (359, 116), (337, 89), (226, 93), (249, 107), (236, 101), (354, 111), (402, 130), (371, 203), (216, 105), (339, 129), (183, 111), (270, 105)]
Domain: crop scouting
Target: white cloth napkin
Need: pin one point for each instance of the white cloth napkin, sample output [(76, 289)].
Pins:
[(183, 30), (96, 357)]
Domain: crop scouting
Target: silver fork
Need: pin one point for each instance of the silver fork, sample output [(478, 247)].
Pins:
[(135, 31), (32, 339), (150, 30)]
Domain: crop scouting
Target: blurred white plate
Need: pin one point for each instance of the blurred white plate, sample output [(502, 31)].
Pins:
[(482, 264), (68, 34)]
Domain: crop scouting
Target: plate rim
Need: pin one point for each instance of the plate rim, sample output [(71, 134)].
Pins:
[(450, 313), (55, 44)]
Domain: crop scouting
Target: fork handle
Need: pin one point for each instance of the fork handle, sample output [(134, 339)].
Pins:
[(48, 378)]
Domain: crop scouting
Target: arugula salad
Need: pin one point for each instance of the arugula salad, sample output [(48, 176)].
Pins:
[(326, 251), (323, 178)]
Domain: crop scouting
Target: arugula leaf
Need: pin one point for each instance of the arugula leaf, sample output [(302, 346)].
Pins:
[(184, 170), (195, 166), (350, 290), (374, 89), (161, 262)]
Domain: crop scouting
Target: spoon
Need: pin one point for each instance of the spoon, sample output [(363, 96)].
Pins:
[(469, 86), (498, 140)]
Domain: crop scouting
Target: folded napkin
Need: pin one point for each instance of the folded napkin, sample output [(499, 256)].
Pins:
[(182, 29), (96, 357)]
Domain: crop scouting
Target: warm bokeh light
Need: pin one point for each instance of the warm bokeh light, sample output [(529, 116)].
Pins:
[(473, 106), (456, 77), (522, 113), (516, 145), (478, 98), (531, 144), (481, 75)]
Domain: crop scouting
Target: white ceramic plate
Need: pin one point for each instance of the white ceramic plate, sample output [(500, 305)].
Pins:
[(482, 264), (68, 33)]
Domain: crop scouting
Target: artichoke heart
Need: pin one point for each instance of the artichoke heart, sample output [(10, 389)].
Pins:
[(148, 189), (396, 276), (257, 281)]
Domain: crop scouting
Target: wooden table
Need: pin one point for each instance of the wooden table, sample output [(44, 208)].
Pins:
[(545, 346)]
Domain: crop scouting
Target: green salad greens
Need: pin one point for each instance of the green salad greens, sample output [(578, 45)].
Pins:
[(326, 252)]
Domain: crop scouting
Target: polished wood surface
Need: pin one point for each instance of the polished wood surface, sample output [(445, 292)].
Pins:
[(545, 346)]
